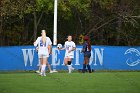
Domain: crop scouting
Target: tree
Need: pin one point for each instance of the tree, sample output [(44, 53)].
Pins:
[(105, 21)]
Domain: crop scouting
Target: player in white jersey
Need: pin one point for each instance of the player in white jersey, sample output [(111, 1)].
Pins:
[(69, 54), (44, 49)]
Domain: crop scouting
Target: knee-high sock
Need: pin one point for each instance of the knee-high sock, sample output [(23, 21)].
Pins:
[(40, 68), (43, 68), (69, 65), (84, 68), (89, 69), (69, 68)]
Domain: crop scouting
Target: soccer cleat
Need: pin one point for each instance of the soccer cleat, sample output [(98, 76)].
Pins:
[(54, 71), (69, 71), (44, 75), (40, 74), (51, 71), (38, 71)]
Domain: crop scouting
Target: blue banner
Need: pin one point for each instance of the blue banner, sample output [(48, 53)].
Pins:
[(102, 58)]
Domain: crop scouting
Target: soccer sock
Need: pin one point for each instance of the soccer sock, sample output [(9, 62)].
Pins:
[(43, 69), (84, 68), (69, 68), (89, 69), (69, 63), (40, 68)]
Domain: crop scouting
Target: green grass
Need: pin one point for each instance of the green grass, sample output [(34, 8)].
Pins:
[(98, 82)]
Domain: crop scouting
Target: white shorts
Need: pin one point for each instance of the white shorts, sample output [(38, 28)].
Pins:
[(43, 55), (69, 56)]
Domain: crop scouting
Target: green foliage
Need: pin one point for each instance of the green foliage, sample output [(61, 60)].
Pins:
[(107, 4), (44, 5), (105, 21)]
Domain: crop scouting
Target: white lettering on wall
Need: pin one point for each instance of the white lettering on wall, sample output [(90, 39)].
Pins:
[(99, 54), (96, 56), (91, 58), (28, 53), (78, 50), (55, 57)]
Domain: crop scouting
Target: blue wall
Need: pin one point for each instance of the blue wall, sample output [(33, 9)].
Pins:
[(103, 58)]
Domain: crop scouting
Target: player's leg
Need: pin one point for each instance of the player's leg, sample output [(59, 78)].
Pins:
[(87, 63), (70, 62), (66, 63), (84, 65), (43, 70), (69, 65), (49, 67), (41, 62), (39, 66)]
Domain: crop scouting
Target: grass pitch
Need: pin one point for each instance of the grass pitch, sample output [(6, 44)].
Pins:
[(97, 82)]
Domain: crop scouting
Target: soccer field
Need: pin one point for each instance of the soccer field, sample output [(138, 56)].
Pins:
[(97, 82)]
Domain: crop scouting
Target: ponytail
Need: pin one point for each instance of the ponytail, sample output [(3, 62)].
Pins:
[(43, 36), (89, 45)]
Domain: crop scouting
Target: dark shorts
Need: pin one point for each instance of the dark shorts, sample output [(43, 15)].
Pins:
[(87, 54)]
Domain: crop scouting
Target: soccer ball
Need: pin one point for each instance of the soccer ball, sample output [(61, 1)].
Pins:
[(59, 46)]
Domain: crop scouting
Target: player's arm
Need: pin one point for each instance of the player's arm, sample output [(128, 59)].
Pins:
[(37, 48), (36, 42), (50, 46), (62, 48), (74, 48)]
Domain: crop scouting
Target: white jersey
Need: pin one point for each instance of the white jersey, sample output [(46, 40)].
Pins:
[(43, 48), (69, 46)]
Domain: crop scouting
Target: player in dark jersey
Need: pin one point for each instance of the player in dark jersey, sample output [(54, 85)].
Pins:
[(87, 53)]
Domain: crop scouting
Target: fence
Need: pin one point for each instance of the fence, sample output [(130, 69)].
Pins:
[(102, 58)]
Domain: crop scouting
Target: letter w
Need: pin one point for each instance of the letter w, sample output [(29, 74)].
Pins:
[(28, 53)]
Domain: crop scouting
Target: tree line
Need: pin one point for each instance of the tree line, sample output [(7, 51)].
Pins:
[(106, 22)]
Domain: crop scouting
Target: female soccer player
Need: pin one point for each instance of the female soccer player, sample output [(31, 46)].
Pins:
[(44, 49), (87, 53), (69, 54)]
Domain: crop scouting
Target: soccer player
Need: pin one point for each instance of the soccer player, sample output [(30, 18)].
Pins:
[(44, 50), (69, 46), (87, 53)]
